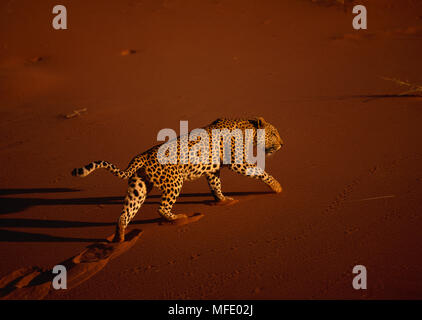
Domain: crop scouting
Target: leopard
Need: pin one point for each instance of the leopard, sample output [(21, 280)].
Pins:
[(147, 170)]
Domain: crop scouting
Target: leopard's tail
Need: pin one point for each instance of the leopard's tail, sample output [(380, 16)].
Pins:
[(133, 166)]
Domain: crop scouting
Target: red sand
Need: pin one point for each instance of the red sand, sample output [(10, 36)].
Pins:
[(351, 168)]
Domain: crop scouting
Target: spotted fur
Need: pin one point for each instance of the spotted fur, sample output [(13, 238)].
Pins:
[(145, 171)]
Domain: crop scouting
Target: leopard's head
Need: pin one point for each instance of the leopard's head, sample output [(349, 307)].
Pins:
[(273, 141)]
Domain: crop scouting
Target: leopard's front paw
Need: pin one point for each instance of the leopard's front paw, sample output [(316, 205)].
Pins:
[(276, 187), (226, 201)]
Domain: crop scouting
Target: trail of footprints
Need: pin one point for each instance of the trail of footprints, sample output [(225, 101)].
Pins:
[(334, 206)]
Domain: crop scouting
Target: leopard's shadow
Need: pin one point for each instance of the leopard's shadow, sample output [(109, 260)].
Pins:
[(10, 205)]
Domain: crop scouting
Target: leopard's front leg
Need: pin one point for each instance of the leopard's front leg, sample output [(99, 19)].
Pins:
[(253, 171)]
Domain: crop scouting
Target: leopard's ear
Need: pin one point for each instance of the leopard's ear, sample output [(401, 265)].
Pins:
[(258, 122)]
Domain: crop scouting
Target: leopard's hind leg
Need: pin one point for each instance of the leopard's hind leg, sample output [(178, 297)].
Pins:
[(171, 191), (135, 197)]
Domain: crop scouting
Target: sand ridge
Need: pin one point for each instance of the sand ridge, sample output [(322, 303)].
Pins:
[(34, 283)]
